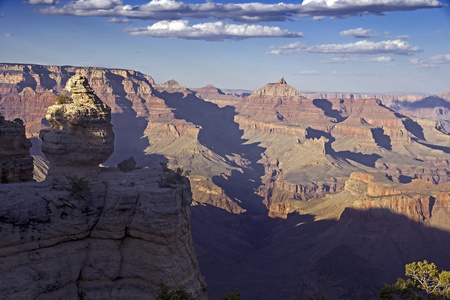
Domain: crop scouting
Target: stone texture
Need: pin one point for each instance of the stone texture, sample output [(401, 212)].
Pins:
[(127, 165), (81, 134), (119, 241), (16, 163)]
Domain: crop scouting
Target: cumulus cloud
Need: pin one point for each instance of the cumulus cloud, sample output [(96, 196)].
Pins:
[(431, 62), (251, 12), (42, 2), (119, 21), (359, 33), (213, 31), (381, 59), (393, 47)]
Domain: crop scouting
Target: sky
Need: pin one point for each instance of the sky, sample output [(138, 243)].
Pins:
[(357, 46)]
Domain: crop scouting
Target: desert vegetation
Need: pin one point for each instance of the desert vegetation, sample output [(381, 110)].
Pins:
[(425, 281)]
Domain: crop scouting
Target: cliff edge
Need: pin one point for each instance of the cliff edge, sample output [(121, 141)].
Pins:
[(101, 233)]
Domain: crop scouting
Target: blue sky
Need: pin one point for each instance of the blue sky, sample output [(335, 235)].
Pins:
[(372, 46)]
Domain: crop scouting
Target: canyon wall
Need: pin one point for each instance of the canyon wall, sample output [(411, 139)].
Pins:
[(276, 177)]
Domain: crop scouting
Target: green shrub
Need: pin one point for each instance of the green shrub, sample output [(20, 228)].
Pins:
[(79, 187), (62, 99), (426, 282), (177, 294)]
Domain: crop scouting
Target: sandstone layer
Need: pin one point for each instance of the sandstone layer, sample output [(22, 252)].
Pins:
[(212, 94)]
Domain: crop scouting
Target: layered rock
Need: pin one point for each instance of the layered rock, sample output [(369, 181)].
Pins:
[(16, 164), (212, 94), (94, 232), (81, 133), (119, 237)]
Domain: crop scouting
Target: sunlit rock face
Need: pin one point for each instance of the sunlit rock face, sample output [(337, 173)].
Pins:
[(81, 134)]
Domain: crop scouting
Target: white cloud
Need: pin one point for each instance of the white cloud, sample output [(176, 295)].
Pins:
[(402, 37), (240, 12), (348, 8), (359, 33), (381, 59), (364, 47), (431, 62), (42, 2), (119, 21), (7, 34), (213, 31), (293, 48)]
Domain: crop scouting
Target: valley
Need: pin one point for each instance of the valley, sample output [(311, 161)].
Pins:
[(294, 195)]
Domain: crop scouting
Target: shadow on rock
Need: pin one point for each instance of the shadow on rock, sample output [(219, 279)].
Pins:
[(221, 134), (349, 258)]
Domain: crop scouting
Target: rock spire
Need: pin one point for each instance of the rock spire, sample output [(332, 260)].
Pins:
[(81, 134), (279, 89)]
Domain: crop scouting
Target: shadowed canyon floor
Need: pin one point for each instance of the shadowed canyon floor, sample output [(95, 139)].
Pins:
[(293, 196)]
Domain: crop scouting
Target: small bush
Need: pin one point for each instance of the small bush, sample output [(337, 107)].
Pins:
[(79, 187), (234, 295), (178, 294), (62, 99)]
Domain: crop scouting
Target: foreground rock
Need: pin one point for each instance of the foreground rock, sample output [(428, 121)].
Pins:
[(101, 233), (118, 239), (16, 164)]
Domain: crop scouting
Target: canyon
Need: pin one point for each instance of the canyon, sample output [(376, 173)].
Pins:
[(293, 195)]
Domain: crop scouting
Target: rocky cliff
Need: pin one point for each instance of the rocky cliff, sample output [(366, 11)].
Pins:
[(16, 164), (436, 107), (270, 179), (100, 233), (212, 94)]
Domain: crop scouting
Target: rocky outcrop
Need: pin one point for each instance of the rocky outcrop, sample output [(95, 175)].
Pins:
[(91, 232), (16, 164), (26, 91), (112, 236), (212, 94), (81, 134), (279, 89), (419, 200)]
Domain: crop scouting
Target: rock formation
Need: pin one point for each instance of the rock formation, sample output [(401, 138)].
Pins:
[(272, 173), (113, 236), (90, 232), (16, 164), (212, 94), (81, 134)]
